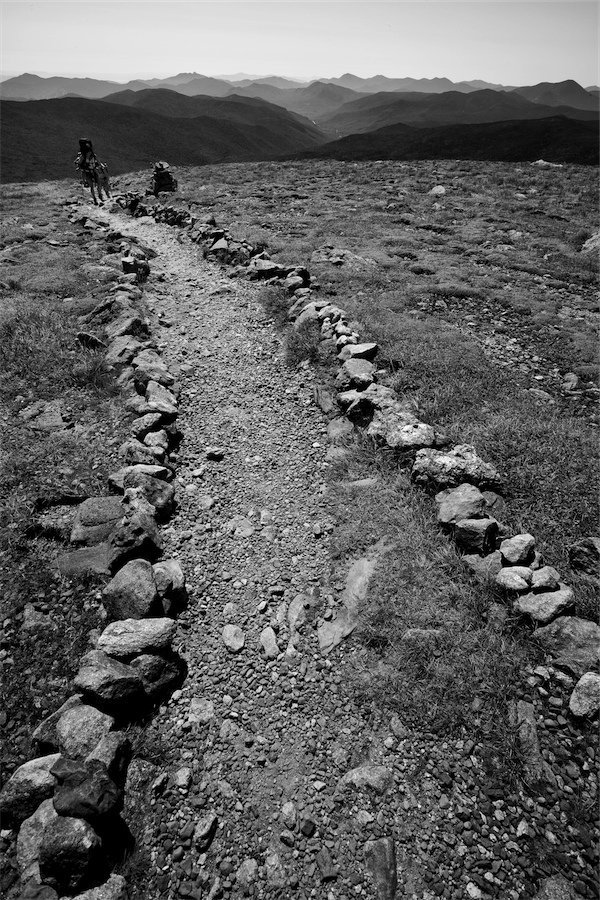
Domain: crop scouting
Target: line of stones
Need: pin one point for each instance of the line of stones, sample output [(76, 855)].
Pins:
[(468, 490), (67, 801)]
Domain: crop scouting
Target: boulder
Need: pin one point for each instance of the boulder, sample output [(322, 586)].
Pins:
[(130, 637), (584, 558), (514, 578), (95, 520), (134, 453), (86, 791), (45, 738), (571, 642), (449, 468), (544, 607), (114, 752), (117, 479), (30, 838), (149, 367), (476, 535), (160, 399), (585, 699), (80, 729), (107, 681), (170, 585), (545, 579), (159, 673), (132, 593), (378, 778), (143, 425), (389, 428), (463, 502), (358, 373), (518, 550), (27, 787), (70, 854), (159, 493), (137, 534)]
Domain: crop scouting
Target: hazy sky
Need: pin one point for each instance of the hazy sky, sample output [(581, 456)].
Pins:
[(503, 41)]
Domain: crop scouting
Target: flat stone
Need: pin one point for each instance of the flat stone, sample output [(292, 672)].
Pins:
[(132, 593), (160, 399), (85, 560), (130, 637), (378, 778), (544, 607), (518, 550), (80, 729), (463, 502), (585, 699), (358, 351), (233, 638), (340, 431), (380, 857), (95, 520), (571, 642), (27, 787)]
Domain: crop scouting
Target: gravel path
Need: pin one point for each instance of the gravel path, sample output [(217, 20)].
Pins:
[(276, 783)]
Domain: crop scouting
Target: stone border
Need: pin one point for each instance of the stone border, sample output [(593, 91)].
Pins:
[(467, 489), (66, 803)]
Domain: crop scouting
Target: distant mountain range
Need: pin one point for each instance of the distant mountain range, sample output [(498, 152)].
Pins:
[(191, 119)]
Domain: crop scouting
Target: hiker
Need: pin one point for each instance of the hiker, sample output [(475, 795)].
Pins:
[(93, 172), (162, 179)]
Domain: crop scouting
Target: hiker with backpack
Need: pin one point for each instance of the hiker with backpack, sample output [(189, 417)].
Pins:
[(93, 172)]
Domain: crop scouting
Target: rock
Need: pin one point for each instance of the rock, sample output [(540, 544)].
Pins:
[(114, 752), (143, 425), (484, 568), (476, 535), (358, 351), (130, 637), (449, 468), (137, 535), (274, 871), (122, 350), (233, 638), (30, 838), (585, 699), (240, 527), (246, 874), (160, 399), (117, 479), (379, 778), (70, 854), (26, 789), (584, 558), (159, 673), (323, 399), (136, 453), (329, 872), (268, 640), (132, 593), (80, 729), (149, 367), (289, 815), (339, 431), (571, 382), (331, 633), (514, 578), (571, 642), (528, 739), (45, 738), (356, 372), (380, 857), (113, 889), (107, 681), (159, 493), (95, 520), (518, 550), (545, 579), (437, 191), (170, 585), (556, 887), (389, 427), (204, 831), (463, 502), (86, 791), (86, 560), (544, 607), (202, 711)]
